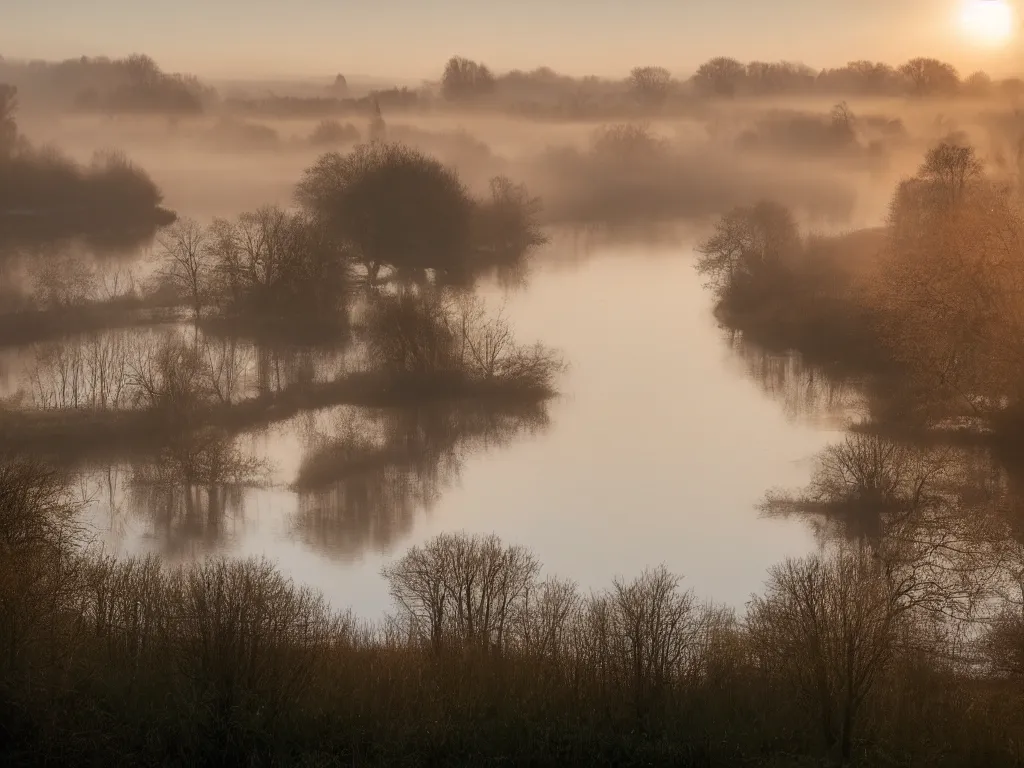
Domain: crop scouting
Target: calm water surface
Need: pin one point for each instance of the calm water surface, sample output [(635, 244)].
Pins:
[(659, 449)]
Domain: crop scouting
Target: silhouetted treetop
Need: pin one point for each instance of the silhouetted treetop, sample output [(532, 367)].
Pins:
[(45, 194), (953, 167), (650, 84), (544, 91), (464, 79), (392, 205), (132, 84), (720, 76), (930, 77)]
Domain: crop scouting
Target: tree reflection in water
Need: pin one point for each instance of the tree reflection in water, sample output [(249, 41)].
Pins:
[(804, 391), (932, 516), (364, 477), (187, 493)]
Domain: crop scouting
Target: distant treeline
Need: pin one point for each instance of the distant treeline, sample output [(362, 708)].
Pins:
[(545, 92), (44, 194), (134, 84), (322, 106), (723, 76)]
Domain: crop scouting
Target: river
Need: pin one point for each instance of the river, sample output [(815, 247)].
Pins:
[(664, 439)]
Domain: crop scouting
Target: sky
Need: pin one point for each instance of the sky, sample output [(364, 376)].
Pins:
[(411, 39)]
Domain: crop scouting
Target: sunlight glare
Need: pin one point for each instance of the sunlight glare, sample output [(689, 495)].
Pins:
[(988, 22)]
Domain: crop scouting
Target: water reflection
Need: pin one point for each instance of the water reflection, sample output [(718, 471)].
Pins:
[(186, 497), (933, 515), (803, 391), (364, 477), (198, 481), (641, 469), (51, 290), (113, 372)]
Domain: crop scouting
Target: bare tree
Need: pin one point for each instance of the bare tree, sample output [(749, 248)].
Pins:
[(63, 281), (746, 242), (226, 364), (187, 260), (168, 377), (434, 333), (953, 167), (830, 627), (470, 591), (508, 224), (550, 611), (655, 625), (39, 567)]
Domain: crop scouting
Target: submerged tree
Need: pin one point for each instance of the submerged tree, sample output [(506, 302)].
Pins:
[(198, 476), (278, 267), (507, 224), (434, 334)]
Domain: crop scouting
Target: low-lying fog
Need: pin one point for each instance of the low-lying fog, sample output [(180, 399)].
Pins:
[(835, 164)]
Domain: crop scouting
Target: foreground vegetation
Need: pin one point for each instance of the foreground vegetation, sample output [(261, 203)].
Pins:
[(853, 655)]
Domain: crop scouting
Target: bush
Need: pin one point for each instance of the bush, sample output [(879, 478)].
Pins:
[(434, 335), (43, 182), (332, 132)]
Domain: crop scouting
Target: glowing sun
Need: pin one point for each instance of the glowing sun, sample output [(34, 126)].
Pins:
[(988, 22)]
